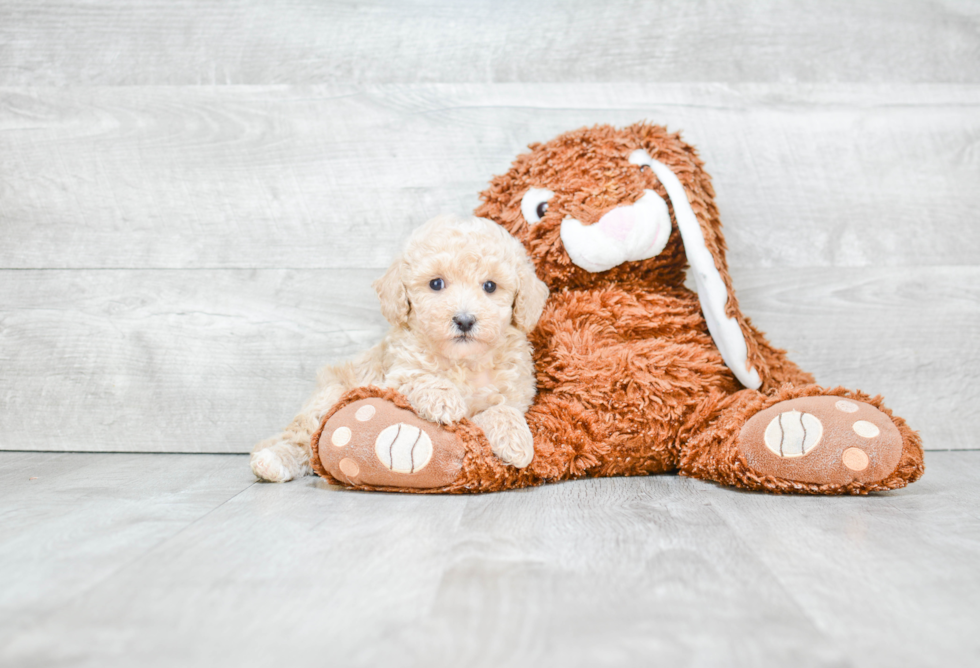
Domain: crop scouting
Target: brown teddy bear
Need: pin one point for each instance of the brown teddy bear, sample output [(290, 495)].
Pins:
[(636, 374)]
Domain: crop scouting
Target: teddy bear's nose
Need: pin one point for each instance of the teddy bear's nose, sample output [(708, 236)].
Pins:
[(464, 321), (618, 223)]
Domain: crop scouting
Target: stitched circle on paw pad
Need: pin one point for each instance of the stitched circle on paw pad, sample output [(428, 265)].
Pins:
[(793, 434), (855, 459), (403, 448), (341, 437), (846, 406), (364, 413), (865, 429), (349, 467)]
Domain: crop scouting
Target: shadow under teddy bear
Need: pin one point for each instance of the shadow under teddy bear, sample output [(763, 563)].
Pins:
[(636, 374)]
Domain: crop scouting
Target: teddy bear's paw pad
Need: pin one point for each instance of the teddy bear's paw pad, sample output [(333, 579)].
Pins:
[(822, 440), (373, 442)]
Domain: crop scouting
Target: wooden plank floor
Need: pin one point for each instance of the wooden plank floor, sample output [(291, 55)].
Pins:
[(123, 560)]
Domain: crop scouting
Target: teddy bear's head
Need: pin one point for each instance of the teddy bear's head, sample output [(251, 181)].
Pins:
[(590, 210), (632, 207)]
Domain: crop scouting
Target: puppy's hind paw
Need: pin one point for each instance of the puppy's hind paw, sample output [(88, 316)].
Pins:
[(280, 463), (267, 466)]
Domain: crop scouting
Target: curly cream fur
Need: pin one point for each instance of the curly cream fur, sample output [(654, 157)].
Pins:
[(485, 374)]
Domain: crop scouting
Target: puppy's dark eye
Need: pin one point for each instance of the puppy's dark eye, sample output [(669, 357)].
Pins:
[(437, 284), (541, 209), (489, 287), (644, 168)]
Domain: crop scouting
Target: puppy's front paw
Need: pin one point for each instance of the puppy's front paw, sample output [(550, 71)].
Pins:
[(514, 447), (508, 433), (438, 404)]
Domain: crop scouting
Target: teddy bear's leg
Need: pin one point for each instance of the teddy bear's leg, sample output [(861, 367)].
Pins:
[(806, 440), (373, 440)]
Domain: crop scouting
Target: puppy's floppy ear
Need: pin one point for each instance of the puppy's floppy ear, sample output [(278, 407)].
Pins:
[(531, 296), (393, 294)]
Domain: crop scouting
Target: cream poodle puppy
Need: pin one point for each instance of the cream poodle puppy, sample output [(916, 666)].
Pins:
[(461, 300)]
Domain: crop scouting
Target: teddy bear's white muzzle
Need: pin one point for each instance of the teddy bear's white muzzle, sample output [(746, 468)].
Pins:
[(625, 234)]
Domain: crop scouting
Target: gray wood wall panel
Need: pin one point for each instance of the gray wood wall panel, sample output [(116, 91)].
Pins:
[(909, 334), (185, 42), (215, 360), (335, 176), (171, 361), (194, 196)]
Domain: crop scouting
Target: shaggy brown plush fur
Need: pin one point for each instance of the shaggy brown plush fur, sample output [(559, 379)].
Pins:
[(629, 379)]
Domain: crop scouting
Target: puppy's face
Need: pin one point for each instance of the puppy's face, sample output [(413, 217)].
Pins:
[(460, 284), (461, 302)]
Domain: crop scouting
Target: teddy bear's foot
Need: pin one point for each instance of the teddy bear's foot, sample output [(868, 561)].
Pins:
[(823, 440), (372, 442)]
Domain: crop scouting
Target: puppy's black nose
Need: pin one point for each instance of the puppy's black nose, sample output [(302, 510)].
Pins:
[(464, 321)]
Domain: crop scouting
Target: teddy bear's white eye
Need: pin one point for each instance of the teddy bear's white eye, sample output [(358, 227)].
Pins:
[(534, 204)]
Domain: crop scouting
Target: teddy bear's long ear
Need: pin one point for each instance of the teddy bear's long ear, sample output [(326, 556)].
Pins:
[(532, 293), (393, 294), (705, 249)]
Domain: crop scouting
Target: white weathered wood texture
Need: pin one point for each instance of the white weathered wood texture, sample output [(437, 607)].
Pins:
[(210, 360), (188, 42), (163, 560), (177, 259), (335, 176)]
